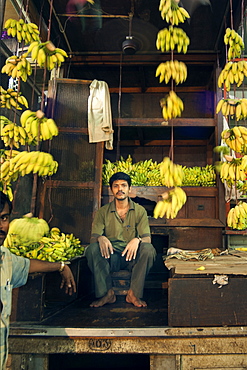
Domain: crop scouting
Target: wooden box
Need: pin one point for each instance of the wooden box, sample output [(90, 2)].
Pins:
[(41, 296), (196, 301), (215, 296)]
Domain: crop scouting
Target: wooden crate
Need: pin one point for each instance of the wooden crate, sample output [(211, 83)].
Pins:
[(196, 301), (41, 296), (203, 297)]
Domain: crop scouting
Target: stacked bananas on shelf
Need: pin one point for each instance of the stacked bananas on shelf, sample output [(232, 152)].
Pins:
[(12, 99), (236, 138), (172, 69), (151, 174), (235, 42), (237, 216), (172, 13), (27, 32), (46, 54), (55, 246), (199, 176), (37, 126), (172, 38), (12, 134), (233, 73), (235, 108), (171, 174), (172, 106), (173, 200), (17, 67)]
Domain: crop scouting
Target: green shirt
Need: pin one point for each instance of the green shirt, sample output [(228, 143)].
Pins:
[(108, 223)]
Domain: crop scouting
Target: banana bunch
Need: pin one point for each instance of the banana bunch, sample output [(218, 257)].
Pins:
[(172, 69), (171, 174), (233, 170), (12, 134), (172, 13), (7, 189), (235, 108), (236, 138), (171, 203), (46, 54), (172, 106), (37, 126), (172, 38), (235, 42), (10, 98), (154, 178), (38, 162), (7, 175), (199, 176), (56, 246), (237, 216), (17, 67), (233, 73), (27, 32)]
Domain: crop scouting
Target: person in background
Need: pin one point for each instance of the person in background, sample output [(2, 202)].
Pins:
[(120, 238), (14, 272)]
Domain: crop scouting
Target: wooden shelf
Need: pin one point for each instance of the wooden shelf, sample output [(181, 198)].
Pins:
[(157, 122)]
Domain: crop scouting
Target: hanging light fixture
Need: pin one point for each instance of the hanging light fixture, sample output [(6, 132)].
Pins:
[(129, 46)]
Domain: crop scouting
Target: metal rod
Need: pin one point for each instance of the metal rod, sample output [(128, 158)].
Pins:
[(93, 15)]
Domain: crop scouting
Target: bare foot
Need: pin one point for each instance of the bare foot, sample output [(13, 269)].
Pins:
[(131, 298), (108, 298)]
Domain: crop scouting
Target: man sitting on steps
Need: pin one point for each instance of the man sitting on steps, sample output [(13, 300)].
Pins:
[(120, 239)]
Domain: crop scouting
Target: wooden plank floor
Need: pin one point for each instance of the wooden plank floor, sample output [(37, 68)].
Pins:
[(119, 314)]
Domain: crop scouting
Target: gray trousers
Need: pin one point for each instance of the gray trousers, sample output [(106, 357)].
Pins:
[(102, 267)]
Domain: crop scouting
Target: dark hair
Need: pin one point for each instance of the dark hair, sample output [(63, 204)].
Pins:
[(120, 176), (3, 200)]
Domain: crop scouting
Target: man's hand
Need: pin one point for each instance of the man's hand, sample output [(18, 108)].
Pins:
[(131, 249), (68, 280), (105, 245)]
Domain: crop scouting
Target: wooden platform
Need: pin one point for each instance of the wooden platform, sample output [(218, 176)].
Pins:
[(215, 296)]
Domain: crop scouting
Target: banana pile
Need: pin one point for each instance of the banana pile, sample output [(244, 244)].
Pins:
[(27, 32), (56, 246), (17, 67), (236, 138), (147, 173), (199, 176), (237, 216), (25, 162), (233, 73), (235, 42), (46, 54), (37, 126), (172, 38), (171, 203), (235, 108), (171, 174), (12, 99), (12, 134), (172, 13), (172, 106), (172, 69)]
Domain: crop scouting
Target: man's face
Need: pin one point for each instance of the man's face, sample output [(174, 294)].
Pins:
[(120, 189), (4, 223)]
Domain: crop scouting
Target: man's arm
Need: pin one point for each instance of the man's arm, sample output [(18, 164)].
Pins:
[(66, 274)]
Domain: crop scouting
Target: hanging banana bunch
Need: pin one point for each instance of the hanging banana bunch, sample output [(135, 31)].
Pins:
[(46, 54), (27, 32)]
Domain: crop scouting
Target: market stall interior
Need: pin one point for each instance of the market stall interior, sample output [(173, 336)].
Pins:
[(117, 42)]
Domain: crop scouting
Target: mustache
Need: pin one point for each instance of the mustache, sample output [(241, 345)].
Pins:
[(2, 232)]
